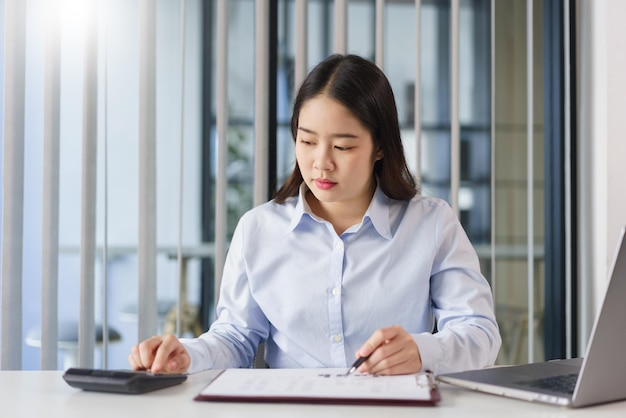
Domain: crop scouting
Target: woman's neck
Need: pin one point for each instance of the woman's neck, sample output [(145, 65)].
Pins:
[(342, 215)]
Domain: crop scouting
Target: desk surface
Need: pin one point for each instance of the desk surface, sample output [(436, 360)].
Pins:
[(45, 393)]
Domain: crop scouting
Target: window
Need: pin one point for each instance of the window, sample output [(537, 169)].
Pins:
[(510, 202)]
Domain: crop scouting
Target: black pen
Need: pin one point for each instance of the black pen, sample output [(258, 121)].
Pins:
[(356, 365)]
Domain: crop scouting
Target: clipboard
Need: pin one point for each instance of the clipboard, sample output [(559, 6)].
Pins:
[(320, 386)]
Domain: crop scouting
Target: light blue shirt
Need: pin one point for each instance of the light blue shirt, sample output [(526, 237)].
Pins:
[(315, 297)]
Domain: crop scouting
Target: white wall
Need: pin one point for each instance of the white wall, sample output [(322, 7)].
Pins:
[(616, 122), (602, 148)]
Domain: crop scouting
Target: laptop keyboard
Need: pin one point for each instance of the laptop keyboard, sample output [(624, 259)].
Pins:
[(562, 383)]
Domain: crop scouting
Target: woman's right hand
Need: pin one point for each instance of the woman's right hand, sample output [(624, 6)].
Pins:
[(160, 354)]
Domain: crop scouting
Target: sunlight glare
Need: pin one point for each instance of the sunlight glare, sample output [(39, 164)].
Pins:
[(75, 14)]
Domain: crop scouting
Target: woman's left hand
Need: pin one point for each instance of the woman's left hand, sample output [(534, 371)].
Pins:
[(391, 350)]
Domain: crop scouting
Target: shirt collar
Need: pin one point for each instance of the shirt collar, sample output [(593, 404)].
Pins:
[(302, 208), (377, 212)]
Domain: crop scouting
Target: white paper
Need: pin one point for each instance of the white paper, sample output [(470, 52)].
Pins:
[(318, 383)]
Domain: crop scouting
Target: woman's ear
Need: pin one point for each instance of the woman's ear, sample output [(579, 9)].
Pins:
[(379, 155)]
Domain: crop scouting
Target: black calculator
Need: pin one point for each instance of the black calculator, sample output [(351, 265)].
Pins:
[(120, 381)]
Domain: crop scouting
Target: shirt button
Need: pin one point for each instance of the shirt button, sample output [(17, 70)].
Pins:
[(337, 338), (336, 291), (339, 245)]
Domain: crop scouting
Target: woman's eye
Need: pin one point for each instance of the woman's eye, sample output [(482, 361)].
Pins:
[(342, 148)]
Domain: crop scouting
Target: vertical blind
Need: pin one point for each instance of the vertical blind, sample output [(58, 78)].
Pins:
[(50, 225), (222, 145), (13, 183), (147, 170), (86, 328), (530, 176), (13, 161)]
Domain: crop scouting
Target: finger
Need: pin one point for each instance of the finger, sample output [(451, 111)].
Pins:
[(180, 362), (404, 360), (167, 355), (133, 362), (398, 354), (378, 338), (144, 352), (134, 359), (380, 355), (371, 347)]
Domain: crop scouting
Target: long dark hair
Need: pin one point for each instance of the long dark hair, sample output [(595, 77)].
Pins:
[(364, 89)]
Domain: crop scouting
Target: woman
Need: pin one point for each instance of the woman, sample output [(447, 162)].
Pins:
[(347, 260)]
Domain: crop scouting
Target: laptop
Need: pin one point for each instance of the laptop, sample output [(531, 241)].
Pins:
[(598, 377)]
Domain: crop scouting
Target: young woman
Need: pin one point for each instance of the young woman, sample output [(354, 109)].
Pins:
[(348, 260)]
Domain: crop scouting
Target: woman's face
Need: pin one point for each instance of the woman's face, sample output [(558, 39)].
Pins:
[(335, 153)]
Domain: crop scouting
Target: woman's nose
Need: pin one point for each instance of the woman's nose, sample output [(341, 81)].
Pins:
[(323, 160)]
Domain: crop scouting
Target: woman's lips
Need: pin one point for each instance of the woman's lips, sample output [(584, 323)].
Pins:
[(324, 184)]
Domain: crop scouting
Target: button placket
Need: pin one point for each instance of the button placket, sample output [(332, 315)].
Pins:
[(334, 303)]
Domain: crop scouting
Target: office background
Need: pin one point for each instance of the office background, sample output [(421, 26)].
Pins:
[(499, 192)]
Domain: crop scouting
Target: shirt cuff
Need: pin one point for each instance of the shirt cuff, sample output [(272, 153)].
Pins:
[(430, 350), (197, 354)]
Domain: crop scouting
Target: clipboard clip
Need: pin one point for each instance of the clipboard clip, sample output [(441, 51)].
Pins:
[(430, 381)]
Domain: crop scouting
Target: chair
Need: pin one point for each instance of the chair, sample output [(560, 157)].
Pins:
[(258, 362)]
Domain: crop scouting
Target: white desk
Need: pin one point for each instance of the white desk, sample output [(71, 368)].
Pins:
[(45, 394)]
